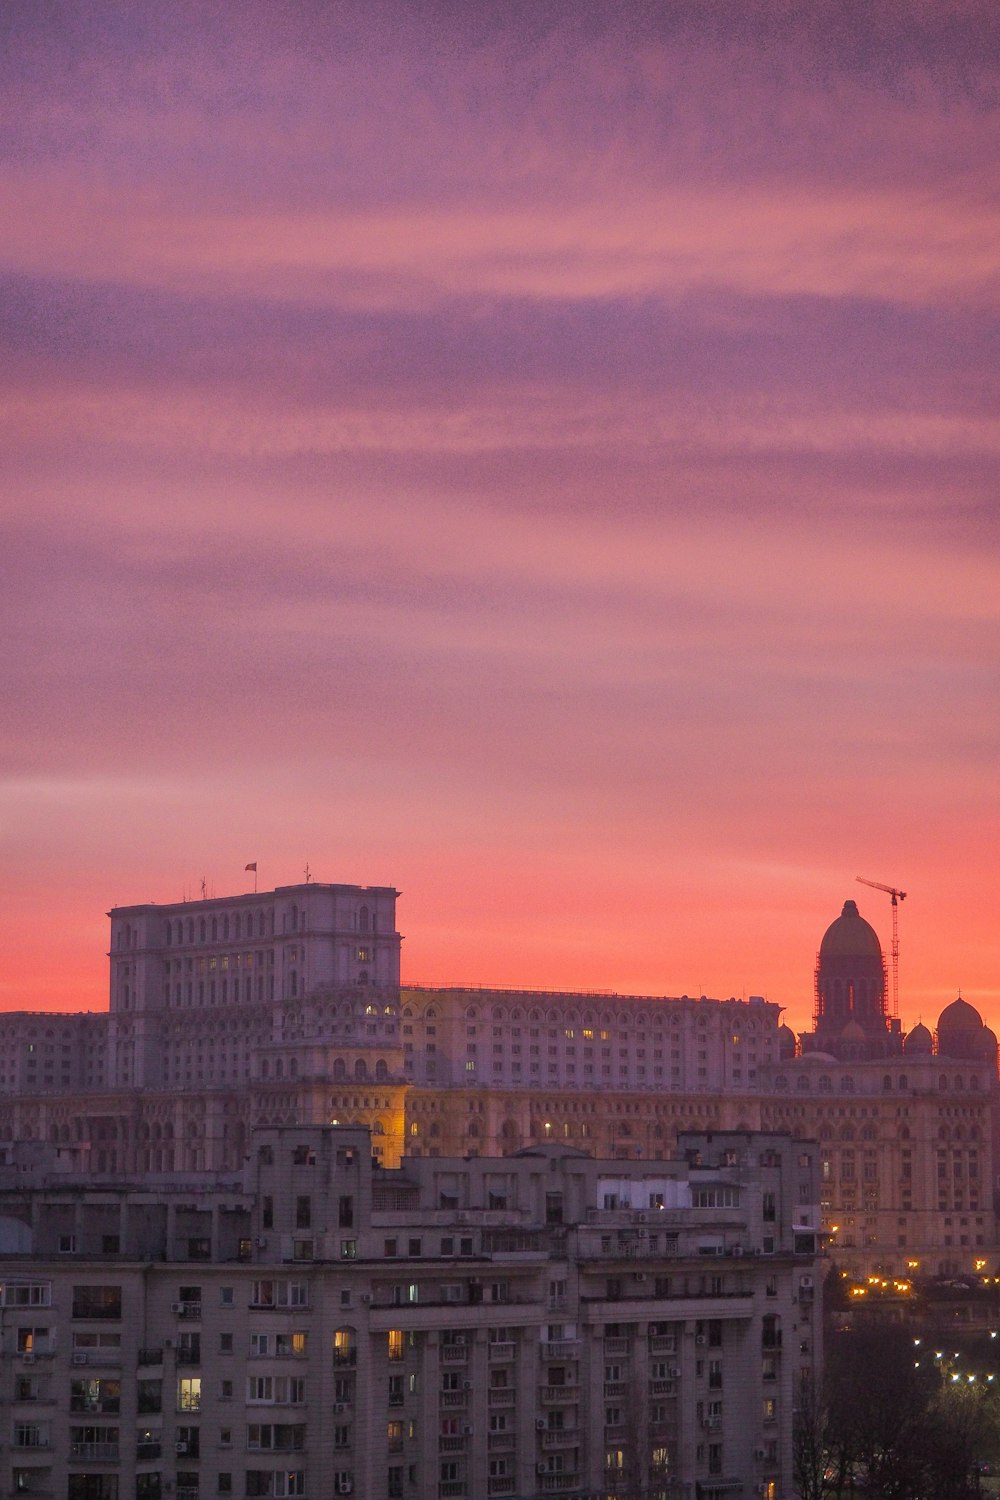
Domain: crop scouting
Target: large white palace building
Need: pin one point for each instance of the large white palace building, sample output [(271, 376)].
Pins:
[(286, 1007)]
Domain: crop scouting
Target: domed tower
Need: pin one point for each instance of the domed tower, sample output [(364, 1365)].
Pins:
[(850, 987), (961, 1033)]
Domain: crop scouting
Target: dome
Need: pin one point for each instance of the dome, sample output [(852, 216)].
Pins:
[(850, 936), (960, 1016), (852, 1032), (918, 1040), (786, 1042)]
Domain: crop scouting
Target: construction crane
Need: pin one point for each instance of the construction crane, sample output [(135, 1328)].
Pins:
[(897, 897)]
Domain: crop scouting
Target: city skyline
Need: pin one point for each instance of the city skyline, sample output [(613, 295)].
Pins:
[(545, 461)]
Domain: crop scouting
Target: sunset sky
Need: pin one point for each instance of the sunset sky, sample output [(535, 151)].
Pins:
[(540, 456)]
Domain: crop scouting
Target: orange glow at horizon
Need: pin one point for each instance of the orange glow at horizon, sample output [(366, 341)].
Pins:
[(543, 460)]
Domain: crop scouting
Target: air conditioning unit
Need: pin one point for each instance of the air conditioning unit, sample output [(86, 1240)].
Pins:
[(261, 1244), (466, 1431), (805, 1283), (639, 1276), (737, 1249), (674, 1372), (177, 1307), (366, 1297), (466, 1385), (180, 1447), (760, 1453), (79, 1357), (701, 1339), (539, 1424), (541, 1468), (28, 1357)]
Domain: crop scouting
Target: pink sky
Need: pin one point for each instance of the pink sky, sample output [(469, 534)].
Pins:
[(543, 457)]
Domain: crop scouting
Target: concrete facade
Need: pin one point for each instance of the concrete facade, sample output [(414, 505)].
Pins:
[(545, 1324)]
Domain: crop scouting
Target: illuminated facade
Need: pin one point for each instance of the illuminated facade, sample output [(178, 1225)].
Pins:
[(285, 1007)]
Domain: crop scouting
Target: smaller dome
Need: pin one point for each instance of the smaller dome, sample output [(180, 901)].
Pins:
[(918, 1040), (786, 1042), (960, 1016), (852, 1032)]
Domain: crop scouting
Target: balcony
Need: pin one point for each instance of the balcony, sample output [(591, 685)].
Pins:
[(501, 1442), (662, 1343), (559, 1437), (617, 1345), (661, 1388), (551, 1482), (188, 1309), (562, 1349), (96, 1357), (106, 1453), (150, 1356), (559, 1395), (502, 1351), (455, 1398), (451, 1487), (500, 1484), (454, 1354), (145, 1453), (616, 1388), (187, 1492), (451, 1442), (501, 1397)]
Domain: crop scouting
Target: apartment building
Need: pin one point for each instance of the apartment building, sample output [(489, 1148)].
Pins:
[(546, 1324)]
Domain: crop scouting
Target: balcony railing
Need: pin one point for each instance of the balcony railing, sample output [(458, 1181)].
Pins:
[(150, 1356), (104, 1452), (501, 1397), (562, 1349), (559, 1394), (454, 1354), (502, 1350), (559, 1437), (96, 1357)]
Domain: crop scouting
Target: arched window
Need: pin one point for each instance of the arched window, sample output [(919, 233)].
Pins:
[(237, 925), (170, 933), (293, 984), (339, 1070), (942, 1083), (201, 930), (364, 920), (887, 1082), (215, 929), (260, 924), (381, 1071), (360, 1070)]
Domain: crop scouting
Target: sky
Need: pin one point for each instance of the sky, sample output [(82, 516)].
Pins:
[(539, 456)]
